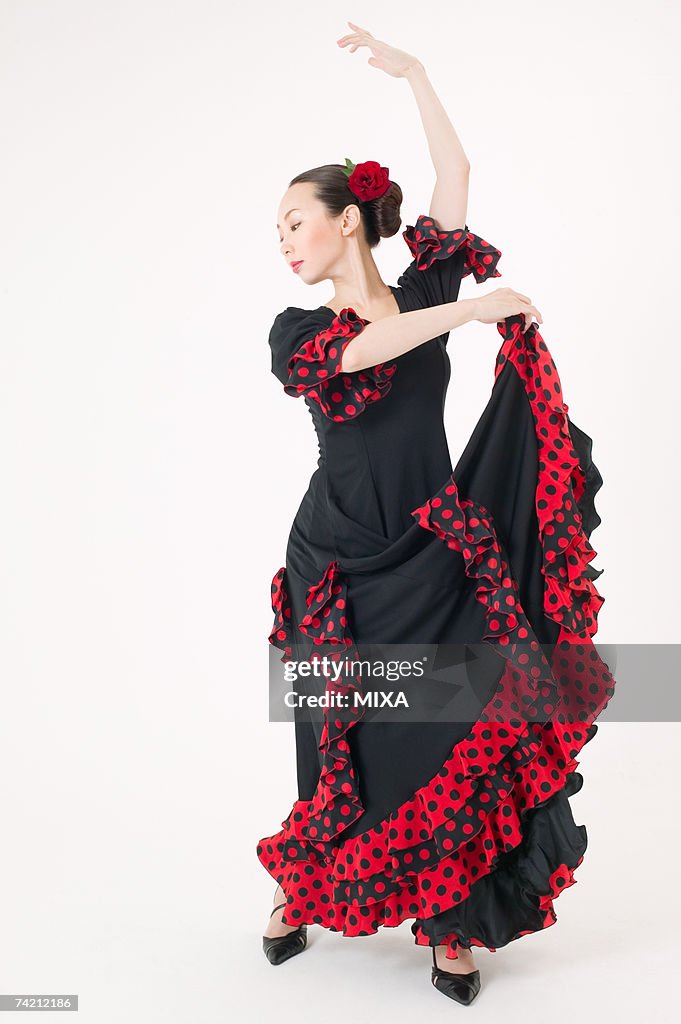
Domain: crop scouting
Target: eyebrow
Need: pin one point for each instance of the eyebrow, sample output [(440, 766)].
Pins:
[(290, 212)]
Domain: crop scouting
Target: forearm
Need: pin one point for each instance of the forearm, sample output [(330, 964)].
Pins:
[(446, 151), (392, 336)]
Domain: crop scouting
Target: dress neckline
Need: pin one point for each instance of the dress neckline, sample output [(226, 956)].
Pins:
[(393, 289)]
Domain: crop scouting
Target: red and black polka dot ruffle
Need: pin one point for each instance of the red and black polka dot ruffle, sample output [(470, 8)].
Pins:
[(578, 686), (570, 597), (315, 371), (427, 243), (457, 829), (281, 606), (336, 802), (462, 826)]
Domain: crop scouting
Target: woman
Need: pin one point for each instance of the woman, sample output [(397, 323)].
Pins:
[(461, 825)]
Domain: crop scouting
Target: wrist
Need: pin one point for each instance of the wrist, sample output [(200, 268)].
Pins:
[(472, 308), (416, 70)]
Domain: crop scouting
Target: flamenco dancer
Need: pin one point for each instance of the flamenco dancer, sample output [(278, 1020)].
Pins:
[(463, 827)]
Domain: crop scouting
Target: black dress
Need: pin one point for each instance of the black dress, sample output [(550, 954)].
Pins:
[(463, 826)]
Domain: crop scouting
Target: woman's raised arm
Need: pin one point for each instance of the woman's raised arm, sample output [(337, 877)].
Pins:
[(449, 202)]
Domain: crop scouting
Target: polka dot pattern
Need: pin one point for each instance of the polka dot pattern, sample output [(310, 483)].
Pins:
[(472, 816), (427, 243), (571, 598), (316, 893), (574, 689), (449, 822), (314, 371), (280, 635), (336, 802), (428, 854), (560, 878)]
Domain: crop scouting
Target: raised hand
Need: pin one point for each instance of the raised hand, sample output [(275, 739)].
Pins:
[(389, 59)]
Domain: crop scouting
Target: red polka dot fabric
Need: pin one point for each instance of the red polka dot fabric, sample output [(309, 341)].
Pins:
[(571, 597), (280, 633), (468, 826), (427, 244), (315, 371)]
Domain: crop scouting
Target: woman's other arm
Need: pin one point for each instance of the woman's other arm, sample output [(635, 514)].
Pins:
[(392, 336)]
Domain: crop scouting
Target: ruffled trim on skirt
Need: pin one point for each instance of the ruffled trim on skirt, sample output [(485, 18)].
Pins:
[(530, 853), (480, 852)]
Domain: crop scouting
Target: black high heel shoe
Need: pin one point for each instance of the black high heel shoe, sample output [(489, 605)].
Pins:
[(283, 947), (462, 987)]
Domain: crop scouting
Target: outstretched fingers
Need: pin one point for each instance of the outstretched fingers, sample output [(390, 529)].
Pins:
[(356, 39)]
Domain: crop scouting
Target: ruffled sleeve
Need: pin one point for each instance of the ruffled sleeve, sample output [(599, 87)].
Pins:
[(307, 353), (441, 260)]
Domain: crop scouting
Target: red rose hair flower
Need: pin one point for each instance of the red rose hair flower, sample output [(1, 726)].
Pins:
[(367, 180)]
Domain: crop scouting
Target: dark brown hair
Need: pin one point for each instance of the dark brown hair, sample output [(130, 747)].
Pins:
[(380, 217)]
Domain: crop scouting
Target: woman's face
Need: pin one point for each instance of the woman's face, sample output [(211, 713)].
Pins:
[(310, 238)]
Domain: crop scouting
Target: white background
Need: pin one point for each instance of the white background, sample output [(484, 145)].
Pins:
[(150, 467)]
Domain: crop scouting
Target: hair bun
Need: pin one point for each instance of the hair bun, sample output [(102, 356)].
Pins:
[(385, 211)]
